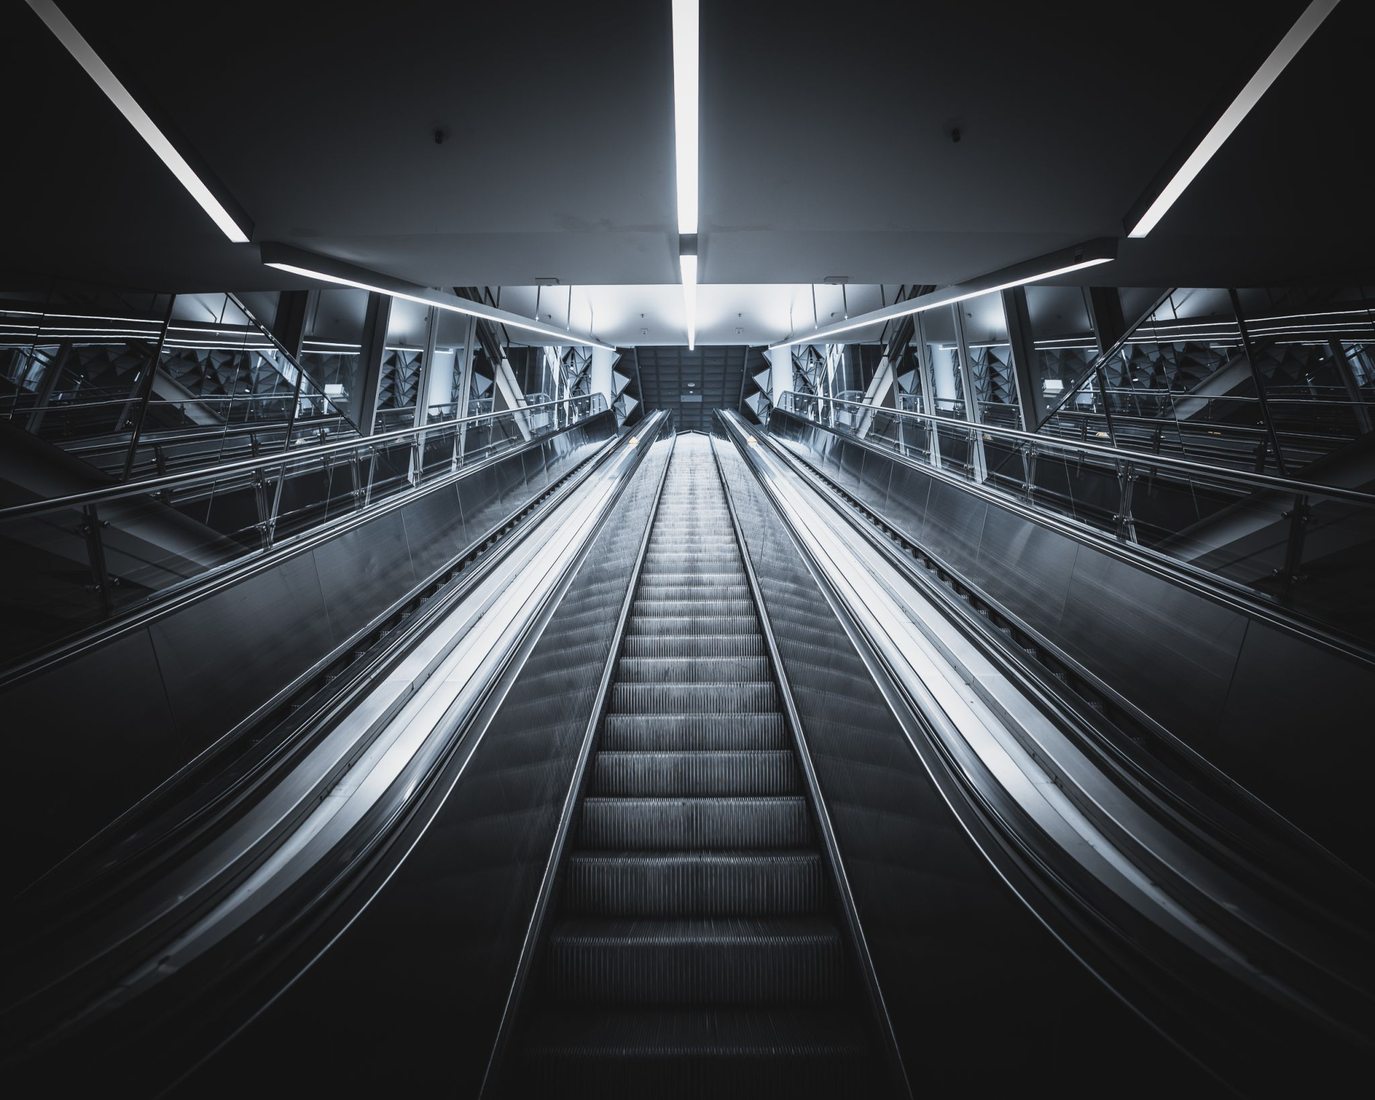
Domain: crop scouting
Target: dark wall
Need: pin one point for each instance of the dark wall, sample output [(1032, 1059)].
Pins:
[(693, 384)]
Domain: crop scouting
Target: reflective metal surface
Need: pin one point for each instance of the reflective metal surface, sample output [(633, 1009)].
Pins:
[(1277, 717), (208, 664), (964, 968), (414, 989)]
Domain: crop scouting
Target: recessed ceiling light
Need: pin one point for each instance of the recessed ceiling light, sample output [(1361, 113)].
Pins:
[(1311, 19), (236, 228)]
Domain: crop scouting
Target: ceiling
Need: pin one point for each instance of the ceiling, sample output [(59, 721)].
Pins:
[(826, 146)]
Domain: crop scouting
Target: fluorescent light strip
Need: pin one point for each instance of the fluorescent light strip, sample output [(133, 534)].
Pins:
[(935, 301), (1222, 129), (499, 317), (688, 264), (685, 109), (119, 95)]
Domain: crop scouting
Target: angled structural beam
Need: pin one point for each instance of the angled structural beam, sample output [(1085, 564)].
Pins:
[(313, 266), (1088, 254)]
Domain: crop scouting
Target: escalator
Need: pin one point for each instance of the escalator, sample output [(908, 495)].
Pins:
[(695, 947)]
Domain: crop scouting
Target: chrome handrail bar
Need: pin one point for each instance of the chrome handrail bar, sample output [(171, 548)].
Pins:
[(1245, 479), (192, 478)]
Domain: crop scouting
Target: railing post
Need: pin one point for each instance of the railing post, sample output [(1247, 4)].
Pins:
[(95, 552), (1126, 482), (1298, 517)]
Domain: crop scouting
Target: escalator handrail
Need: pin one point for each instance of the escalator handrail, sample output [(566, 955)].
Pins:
[(192, 478), (1253, 482)]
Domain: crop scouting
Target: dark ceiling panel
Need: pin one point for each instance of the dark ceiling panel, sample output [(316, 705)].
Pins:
[(691, 385), (825, 140)]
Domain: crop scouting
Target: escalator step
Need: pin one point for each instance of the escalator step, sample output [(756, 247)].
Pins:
[(668, 732), (705, 602), (796, 960), (671, 1053), (664, 824), (685, 670), (705, 623), (718, 698), (696, 645), (688, 774), (677, 590), (705, 884)]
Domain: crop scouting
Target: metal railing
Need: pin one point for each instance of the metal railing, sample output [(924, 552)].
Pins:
[(88, 555), (1263, 530)]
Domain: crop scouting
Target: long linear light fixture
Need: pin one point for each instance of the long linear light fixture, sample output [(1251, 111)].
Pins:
[(1311, 19), (1089, 254), (300, 262), (234, 226), (686, 35)]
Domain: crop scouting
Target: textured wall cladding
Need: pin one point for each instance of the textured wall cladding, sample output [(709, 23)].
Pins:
[(1272, 710), (961, 963), (439, 945)]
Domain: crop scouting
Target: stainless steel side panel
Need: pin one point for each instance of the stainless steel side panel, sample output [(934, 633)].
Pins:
[(1278, 712), (210, 663)]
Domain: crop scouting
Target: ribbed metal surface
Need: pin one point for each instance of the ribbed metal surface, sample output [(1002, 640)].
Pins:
[(697, 961), (694, 890), (686, 823)]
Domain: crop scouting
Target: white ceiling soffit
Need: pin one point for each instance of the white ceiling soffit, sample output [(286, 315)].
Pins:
[(750, 313)]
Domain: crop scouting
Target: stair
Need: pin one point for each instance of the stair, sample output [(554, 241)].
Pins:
[(694, 949)]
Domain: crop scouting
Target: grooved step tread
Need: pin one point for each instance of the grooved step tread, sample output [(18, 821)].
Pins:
[(687, 824), (684, 670), (694, 645), (693, 772), (737, 961), (686, 884), (700, 732), (705, 698)]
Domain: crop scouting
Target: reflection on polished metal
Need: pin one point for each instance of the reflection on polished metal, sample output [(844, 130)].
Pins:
[(364, 768), (1282, 953)]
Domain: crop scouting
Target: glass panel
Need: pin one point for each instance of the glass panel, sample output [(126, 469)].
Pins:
[(937, 334), (990, 361), (1312, 349), (1065, 347)]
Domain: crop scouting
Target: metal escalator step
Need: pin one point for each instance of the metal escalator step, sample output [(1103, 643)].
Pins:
[(677, 590), (692, 624), (694, 884), (787, 960), (705, 602), (674, 824), (695, 645), (690, 566), (687, 670), (685, 774), (672, 1053), (667, 732), (717, 698)]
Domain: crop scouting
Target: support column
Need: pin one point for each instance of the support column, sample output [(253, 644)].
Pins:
[(1024, 362), (363, 403), (603, 365)]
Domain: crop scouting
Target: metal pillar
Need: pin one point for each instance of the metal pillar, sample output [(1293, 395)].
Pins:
[(364, 402)]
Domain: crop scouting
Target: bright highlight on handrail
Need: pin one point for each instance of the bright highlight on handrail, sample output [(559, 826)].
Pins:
[(119, 95)]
